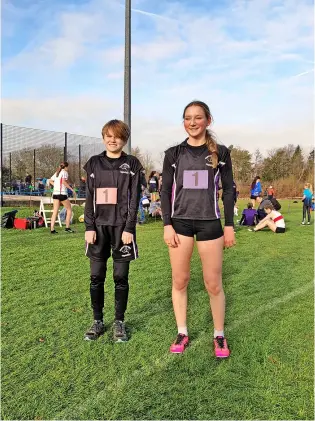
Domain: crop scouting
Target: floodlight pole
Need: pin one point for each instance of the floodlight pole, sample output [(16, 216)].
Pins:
[(127, 73)]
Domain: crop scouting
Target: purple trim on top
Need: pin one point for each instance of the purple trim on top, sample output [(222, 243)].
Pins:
[(216, 189)]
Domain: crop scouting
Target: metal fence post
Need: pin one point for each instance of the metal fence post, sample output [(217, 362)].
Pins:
[(79, 162), (10, 170), (34, 169), (65, 150)]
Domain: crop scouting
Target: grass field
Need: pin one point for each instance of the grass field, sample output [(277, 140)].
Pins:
[(49, 372)]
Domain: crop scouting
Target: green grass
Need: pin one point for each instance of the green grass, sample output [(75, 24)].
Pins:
[(49, 372)]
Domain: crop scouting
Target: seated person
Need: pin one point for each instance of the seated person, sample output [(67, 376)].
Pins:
[(155, 209), (249, 216), (274, 220), (143, 205), (262, 202)]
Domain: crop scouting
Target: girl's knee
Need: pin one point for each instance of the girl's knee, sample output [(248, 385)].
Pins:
[(180, 282), (214, 285)]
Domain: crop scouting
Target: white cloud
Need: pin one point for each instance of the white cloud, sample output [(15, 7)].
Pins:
[(250, 61)]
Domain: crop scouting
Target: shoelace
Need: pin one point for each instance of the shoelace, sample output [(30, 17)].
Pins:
[(220, 341), (179, 339), (96, 327), (119, 327)]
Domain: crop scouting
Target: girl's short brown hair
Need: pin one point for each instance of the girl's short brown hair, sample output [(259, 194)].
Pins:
[(118, 128)]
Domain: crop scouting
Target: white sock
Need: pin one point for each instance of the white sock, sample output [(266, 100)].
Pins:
[(218, 333), (183, 330)]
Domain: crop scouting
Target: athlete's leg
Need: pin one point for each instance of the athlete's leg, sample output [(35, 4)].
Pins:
[(304, 212), (269, 223), (67, 205), (56, 205), (98, 274), (309, 213), (180, 262), (120, 273), (211, 254)]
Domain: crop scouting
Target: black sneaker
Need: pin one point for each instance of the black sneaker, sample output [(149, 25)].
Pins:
[(119, 331), (69, 230), (54, 232), (96, 330)]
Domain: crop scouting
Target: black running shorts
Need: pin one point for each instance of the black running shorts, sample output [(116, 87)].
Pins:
[(61, 197), (203, 230), (280, 230), (108, 242)]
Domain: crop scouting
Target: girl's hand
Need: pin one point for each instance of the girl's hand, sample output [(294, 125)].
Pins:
[(170, 237), (90, 237), (127, 237), (229, 237)]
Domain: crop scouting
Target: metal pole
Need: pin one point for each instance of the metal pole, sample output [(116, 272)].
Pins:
[(127, 78), (65, 150), (1, 145), (79, 162), (10, 170), (34, 169)]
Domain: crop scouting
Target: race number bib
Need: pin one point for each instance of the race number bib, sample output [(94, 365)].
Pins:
[(196, 179), (106, 196)]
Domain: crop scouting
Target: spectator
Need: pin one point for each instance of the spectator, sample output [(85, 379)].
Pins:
[(153, 182), (28, 179), (274, 220), (144, 203), (82, 187), (155, 209), (261, 214), (270, 192), (255, 190), (61, 185), (307, 203), (249, 216), (41, 187)]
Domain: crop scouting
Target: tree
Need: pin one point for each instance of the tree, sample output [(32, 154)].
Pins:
[(241, 161), (258, 161)]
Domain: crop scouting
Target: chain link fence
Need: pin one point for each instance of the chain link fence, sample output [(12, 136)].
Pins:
[(31, 155)]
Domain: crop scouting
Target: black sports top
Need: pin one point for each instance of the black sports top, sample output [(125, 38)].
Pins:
[(190, 184)]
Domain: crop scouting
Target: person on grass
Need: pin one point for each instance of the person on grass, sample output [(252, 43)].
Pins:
[(113, 185), (307, 203), (274, 220), (191, 173), (60, 196), (255, 190), (249, 216)]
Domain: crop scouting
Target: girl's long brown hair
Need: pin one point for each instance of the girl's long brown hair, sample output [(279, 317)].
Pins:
[(210, 136), (62, 166)]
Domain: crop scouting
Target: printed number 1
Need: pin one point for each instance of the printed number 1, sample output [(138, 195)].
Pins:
[(105, 195), (196, 178)]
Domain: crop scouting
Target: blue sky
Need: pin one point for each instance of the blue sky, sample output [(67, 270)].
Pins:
[(251, 61)]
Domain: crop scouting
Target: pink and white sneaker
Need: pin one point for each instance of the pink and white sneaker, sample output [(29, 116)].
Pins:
[(180, 344), (221, 349)]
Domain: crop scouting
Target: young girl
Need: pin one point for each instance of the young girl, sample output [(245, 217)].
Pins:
[(191, 173), (255, 190), (60, 196), (153, 182), (307, 203), (274, 220)]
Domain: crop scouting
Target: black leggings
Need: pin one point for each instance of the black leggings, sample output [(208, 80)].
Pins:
[(308, 210), (98, 274)]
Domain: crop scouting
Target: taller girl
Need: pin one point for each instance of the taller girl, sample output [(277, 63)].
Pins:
[(191, 173)]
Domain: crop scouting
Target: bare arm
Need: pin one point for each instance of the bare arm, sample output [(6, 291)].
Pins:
[(65, 183)]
